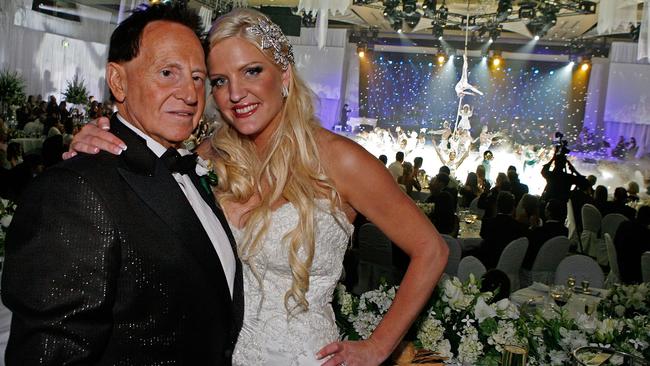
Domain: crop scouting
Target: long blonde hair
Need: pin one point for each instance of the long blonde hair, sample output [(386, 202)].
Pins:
[(288, 169)]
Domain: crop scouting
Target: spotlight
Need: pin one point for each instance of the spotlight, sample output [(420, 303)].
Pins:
[(527, 10), (437, 30), (441, 58), (536, 37), (496, 61), (412, 19), (429, 4), (409, 6), (587, 7), (495, 33), (443, 12), (504, 9), (584, 66)]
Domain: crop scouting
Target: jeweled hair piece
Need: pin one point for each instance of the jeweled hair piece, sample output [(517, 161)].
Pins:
[(272, 37)]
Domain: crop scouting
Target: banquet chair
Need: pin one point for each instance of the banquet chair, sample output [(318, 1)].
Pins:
[(473, 208), (470, 264), (591, 221), (511, 259), (645, 267), (614, 273), (548, 258), (581, 268), (455, 252), (570, 223), (375, 259), (611, 222)]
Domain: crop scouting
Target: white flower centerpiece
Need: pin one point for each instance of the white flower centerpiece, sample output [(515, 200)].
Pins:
[(465, 326)]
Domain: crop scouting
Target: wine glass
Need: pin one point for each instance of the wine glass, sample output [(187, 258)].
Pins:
[(560, 295)]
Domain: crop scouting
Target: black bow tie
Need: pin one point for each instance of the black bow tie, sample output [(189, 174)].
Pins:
[(177, 163)]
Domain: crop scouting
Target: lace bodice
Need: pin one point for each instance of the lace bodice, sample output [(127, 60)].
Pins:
[(269, 336)]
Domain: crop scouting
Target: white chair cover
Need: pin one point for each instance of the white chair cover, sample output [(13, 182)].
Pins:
[(591, 221), (473, 208), (470, 264), (582, 268), (614, 274), (591, 218), (511, 259), (548, 258), (570, 223), (375, 259), (455, 251), (611, 222), (645, 267)]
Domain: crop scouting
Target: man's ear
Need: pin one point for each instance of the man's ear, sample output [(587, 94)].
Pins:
[(117, 80)]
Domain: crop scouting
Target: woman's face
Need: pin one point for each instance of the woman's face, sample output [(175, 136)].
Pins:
[(247, 87)]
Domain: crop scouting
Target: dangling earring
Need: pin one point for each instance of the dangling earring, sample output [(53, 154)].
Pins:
[(285, 91)]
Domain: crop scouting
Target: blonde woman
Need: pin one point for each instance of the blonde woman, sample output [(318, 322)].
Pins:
[(290, 190)]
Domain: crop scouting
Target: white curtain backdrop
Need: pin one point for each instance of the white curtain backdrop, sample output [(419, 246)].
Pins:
[(611, 84), (326, 71), (46, 60), (615, 16)]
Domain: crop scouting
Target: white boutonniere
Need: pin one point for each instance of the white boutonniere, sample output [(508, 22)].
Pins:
[(203, 167)]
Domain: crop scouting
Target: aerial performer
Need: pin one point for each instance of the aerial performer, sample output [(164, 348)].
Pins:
[(463, 87)]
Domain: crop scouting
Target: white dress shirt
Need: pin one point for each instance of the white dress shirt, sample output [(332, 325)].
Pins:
[(210, 223)]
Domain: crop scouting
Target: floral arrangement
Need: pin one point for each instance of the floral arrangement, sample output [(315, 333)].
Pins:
[(12, 90), (626, 301), (464, 325), (7, 209), (76, 92)]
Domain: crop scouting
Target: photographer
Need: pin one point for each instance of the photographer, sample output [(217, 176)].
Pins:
[(559, 180)]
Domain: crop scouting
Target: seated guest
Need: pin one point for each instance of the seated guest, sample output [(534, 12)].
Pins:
[(396, 169), (22, 174), (437, 185), (527, 211), (633, 191), (408, 179), (619, 204), (487, 200), (483, 184), (600, 199), (516, 187), (497, 232), (452, 186), (580, 196), (14, 155), (444, 216), (632, 239), (383, 158), (470, 190), (555, 213)]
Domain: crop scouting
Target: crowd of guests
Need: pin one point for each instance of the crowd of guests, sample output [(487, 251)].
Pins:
[(510, 212), (51, 121)]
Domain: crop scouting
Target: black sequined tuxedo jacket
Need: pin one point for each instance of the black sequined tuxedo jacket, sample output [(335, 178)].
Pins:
[(107, 264)]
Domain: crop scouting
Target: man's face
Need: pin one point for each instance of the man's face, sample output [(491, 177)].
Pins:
[(162, 90)]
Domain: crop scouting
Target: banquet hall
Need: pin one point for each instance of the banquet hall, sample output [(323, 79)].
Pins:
[(520, 128)]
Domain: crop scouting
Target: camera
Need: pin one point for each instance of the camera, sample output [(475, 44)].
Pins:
[(560, 144)]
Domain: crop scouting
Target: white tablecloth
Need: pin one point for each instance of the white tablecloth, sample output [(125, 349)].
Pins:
[(29, 144), (537, 295)]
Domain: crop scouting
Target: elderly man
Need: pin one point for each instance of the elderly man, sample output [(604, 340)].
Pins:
[(132, 262)]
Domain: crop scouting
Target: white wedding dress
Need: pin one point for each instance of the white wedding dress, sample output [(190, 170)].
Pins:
[(269, 336)]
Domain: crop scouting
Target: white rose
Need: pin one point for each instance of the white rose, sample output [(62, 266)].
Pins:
[(483, 311)]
